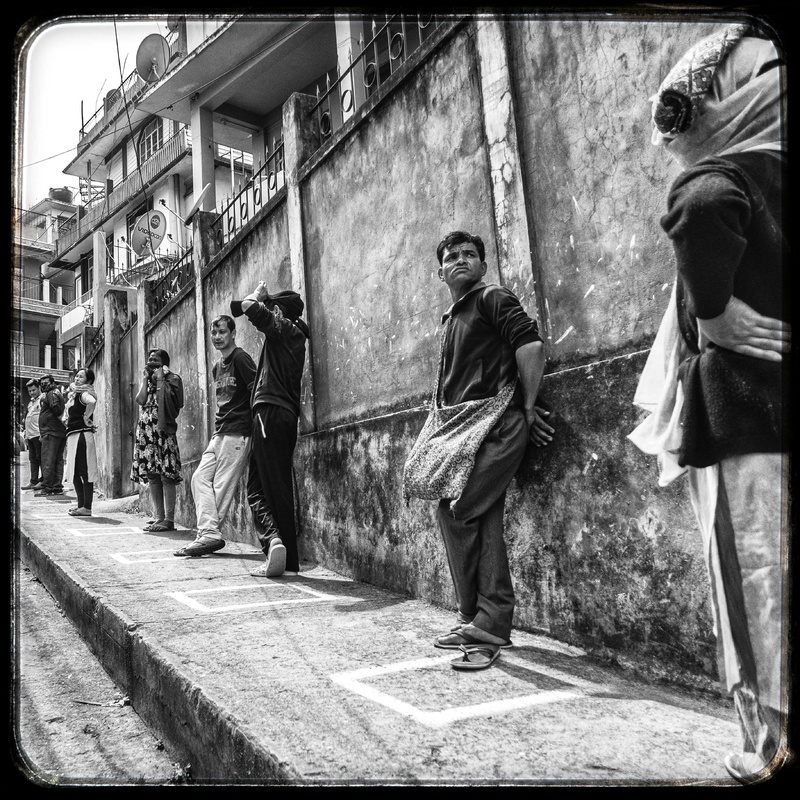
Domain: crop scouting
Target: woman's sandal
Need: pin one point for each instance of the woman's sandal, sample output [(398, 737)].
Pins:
[(487, 653), (159, 527)]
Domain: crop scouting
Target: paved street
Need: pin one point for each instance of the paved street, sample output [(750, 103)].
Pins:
[(320, 679)]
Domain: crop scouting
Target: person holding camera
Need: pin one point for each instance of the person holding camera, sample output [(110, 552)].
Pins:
[(156, 456), (52, 437)]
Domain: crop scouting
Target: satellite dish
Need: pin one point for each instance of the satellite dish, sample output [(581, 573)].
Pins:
[(196, 205), (152, 58), (148, 232)]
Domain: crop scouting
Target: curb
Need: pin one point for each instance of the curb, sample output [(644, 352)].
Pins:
[(214, 745)]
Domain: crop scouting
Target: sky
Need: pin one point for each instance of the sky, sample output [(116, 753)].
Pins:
[(64, 62)]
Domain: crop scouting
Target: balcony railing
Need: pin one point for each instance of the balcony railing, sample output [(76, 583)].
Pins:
[(174, 149), (49, 357), (35, 289), (166, 287), (379, 59), (267, 180)]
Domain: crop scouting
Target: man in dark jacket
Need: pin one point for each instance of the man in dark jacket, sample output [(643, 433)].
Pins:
[(275, 403), (52, 438)]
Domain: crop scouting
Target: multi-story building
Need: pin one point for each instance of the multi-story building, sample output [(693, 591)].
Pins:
[(45, 297)]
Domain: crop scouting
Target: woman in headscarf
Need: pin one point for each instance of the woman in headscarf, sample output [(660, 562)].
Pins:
[(718, 374), (156, 456), (81, 462)]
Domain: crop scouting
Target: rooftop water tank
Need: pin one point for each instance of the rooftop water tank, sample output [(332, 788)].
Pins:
[(63, 195)]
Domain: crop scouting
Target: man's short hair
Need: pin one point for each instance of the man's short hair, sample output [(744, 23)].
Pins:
[(33, 382), (223, 318), (46, 378), (459, 237)]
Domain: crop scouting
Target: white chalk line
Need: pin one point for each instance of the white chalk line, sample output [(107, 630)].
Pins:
[(438, 719)]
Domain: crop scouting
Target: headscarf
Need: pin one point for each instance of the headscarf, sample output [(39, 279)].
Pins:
[(722, 97)]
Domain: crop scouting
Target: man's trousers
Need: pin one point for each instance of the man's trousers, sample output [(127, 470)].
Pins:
[(216, 481), (34, 445), (52, 461), (270, 489), (473, 534)]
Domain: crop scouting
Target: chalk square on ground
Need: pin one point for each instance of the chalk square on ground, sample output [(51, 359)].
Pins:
[(103, 530), (161, 555), (188, 598), (356, 682)]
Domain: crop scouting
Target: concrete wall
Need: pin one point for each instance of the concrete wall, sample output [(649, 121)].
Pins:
[(596, 187), (373, 214)]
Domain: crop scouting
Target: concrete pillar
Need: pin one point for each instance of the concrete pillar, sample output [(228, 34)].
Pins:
[(99, 280), (48, 354), (111, 403), (349, 32), (512, 232), (300, 140), (203, 155), (46, 290), (60, 295), (204, 249)]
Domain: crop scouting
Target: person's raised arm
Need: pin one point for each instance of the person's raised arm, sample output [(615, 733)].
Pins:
[(141, 395), (90, 403)]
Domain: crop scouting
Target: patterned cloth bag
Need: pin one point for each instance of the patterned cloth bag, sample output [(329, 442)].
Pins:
[(443, 456)]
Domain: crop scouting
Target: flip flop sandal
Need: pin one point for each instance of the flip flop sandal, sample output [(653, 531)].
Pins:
[(464, 662), (159, 527), (455, 639)]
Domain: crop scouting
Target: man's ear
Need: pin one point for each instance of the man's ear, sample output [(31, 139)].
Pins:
[(440, 273), (484, 267)]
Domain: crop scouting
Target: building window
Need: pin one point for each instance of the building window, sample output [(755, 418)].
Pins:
[(151, 139)]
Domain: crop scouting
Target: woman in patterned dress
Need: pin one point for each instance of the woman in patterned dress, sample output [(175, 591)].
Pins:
[(156, 456)]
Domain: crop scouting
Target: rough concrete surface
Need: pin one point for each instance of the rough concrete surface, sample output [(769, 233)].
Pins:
[(317, 679), (72, 724)]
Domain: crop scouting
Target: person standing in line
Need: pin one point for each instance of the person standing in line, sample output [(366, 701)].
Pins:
[(275, 404), (32, 440), (216, 479), (81, 460), (156, 456), (718, 376), (52, 436), (488, 343)]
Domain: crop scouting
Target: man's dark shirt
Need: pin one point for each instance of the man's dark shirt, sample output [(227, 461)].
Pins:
[(479, 357), (280, 365), (50, 414), (233, 382)]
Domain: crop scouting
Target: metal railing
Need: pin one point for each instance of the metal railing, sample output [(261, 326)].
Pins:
[(174, 148), (265, 183), (380, 57), (38, 355), (34, 289), (163, 289)]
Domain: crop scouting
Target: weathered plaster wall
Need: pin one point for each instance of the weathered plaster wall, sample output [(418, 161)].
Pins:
[(596, 187), (373, 214), (175, 333)]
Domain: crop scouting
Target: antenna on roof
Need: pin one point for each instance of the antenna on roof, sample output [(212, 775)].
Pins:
[(152, 58)]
